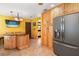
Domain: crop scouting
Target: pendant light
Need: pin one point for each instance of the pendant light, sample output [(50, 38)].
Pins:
[(17, 18)]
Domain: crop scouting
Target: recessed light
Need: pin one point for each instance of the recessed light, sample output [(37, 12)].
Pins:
[(52, 5), (40, 3)]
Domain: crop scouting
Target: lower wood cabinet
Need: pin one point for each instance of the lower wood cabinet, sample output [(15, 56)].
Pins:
[(9, 42), (19, 42), (22, 41)]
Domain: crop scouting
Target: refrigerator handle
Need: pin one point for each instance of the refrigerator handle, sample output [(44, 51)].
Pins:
[(62, 29), (57, 33)]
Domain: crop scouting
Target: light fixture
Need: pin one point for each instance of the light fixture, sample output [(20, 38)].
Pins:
[(52, 5), (17, 18), (40, 3), (21, 19), (11, 12)]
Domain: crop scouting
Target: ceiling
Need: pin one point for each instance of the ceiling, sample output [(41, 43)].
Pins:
[(28, 10)]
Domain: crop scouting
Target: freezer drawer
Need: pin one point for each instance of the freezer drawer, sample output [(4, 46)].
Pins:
[(65, 49)]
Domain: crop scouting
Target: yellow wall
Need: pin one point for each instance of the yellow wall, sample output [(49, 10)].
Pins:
[(21, 28), (4, 29)]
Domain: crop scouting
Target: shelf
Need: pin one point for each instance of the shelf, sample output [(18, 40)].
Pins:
[(39, 36), (39, 30), (39, 22), (39, 25)]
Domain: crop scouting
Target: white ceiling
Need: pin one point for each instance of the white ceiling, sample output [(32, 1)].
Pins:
[(28, 10)]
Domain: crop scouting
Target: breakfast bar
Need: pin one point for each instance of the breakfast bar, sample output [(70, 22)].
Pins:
[(17, 41)]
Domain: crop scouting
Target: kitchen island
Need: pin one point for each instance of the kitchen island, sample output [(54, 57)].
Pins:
[(16, 41)]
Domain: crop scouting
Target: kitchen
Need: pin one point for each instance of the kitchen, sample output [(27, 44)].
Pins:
[(52, 31)]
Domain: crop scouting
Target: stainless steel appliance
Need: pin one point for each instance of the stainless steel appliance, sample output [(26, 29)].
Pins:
[(66, 31)]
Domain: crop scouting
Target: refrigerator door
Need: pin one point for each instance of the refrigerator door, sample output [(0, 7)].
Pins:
[(63, 49), (57, 28), (71, 29)]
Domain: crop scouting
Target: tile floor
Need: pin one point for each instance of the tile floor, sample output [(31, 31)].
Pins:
[(33, 50)]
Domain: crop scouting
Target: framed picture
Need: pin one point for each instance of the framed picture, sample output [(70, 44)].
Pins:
[(12, 23)]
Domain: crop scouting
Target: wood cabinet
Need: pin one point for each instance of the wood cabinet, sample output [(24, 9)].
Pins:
[(47, 24), (65, 8), (9, 42), (58, 10), (19, 42), (71, 8), (44, 32), (47, 29), (48, 17), (22, 41), (34, 28)]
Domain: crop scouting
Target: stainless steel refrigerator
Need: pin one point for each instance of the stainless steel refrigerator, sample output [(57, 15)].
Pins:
[(66, 35)]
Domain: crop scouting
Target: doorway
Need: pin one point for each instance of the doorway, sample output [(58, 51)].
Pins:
[(28, 28)]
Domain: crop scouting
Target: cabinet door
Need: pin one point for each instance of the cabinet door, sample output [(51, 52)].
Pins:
[(9, 42), (47, 29), (58, 11), (71, 8), (50, 37), (34, 30), (22, 41), (44, 33)]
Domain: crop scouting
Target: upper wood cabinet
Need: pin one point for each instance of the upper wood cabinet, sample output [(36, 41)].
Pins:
[(58, 10), (65, 8), (71, 8)]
